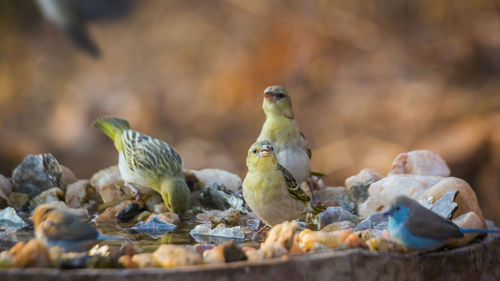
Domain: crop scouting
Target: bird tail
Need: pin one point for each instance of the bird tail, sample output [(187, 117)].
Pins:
[(111, 126), (479, 230)]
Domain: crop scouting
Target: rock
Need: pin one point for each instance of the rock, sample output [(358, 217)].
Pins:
[(169, 256), (445, 206), (107, 176), (217, 176), (127, 262), (50, 195), (37, 173), (468, 220), (217, 196), (5, 190), (110, 192), (339, 226), (281, 235), (143, 260), (127, 249), (68, 177), (98, 250), (308, 238), (130, 211), (335, 214), (31, 254), (19, 200), (386, 245), (329, 193), (229, 217), (466, 198), (10, 221), (365, 175), (226, 252), (154, 200), (377, 221), (383, 192), (7, 240), (111, 212), (420, 162), (354, 196), (75, 193), (160, 208), (205, 234), (154, 226)]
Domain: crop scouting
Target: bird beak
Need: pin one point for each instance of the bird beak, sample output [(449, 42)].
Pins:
[(269, 95), (265, 151), (387, 213)]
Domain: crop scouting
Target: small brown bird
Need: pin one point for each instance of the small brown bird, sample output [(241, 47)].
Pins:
[(56, 227)]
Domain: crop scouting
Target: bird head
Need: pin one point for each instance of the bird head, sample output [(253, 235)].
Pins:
[(277, 101), (400, 209), (175, 194), (261, 156)]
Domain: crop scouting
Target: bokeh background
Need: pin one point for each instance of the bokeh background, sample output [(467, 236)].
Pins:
[(369, 80)]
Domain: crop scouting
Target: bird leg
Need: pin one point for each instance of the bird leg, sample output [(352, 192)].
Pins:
[(263, 229), (314, 199)]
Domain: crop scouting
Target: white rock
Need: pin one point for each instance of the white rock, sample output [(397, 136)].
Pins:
[(383, 192), (420, 162), (208, 176), (363, 176)]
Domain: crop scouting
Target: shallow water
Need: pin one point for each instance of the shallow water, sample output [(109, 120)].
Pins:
[(143, 242)]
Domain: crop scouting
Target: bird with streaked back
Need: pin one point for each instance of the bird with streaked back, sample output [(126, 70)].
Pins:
[(280, 127), (269, 189), (419, 228), (148, 162)]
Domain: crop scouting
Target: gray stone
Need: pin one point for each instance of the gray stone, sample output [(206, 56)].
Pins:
[(217, 196), (335, 214), (154, 227), (377, 221), (37, 173), (355, 195), (10, 221), (446, 205)]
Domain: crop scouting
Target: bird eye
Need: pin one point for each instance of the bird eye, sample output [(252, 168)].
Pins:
[(281, 95), (397, 208), (254, 150)]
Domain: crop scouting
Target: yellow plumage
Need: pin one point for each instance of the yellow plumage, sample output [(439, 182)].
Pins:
[(269, 189), (280, 127), (148, 162)]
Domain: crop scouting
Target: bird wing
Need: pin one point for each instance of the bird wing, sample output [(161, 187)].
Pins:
[(306, 144), (63, 226), (150, 154), (425, 223), (293, 188)]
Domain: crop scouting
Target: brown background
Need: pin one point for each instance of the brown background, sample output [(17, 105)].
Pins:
[(369, 80)]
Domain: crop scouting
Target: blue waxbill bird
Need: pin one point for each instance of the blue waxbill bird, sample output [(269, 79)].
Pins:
[(419, 228)]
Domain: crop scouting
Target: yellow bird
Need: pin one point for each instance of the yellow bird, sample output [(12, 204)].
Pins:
[(149, 162), (280, 127), (269, 189)]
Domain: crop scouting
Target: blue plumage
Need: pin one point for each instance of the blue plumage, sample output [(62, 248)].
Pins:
[(418, 228)]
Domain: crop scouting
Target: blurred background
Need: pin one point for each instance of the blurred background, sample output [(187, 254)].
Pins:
[(368, 79)]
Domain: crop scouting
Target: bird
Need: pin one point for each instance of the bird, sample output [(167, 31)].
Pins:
[(148, 162), (280, 127), (57, 227), (419, 228), (68, 16), (269, 189)]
